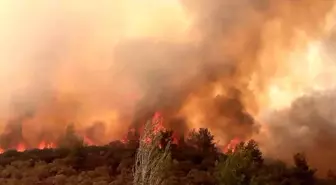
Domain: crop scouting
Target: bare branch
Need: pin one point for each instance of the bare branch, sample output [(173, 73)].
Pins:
[(151, 160)]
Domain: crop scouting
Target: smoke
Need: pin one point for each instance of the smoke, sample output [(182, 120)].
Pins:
[(260, 50), (307, 126), (57, 62), (109, 65)]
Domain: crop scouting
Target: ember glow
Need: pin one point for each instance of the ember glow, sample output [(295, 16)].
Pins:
[(108, 66)]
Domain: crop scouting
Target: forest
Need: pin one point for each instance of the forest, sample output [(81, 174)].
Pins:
[(152, 158)]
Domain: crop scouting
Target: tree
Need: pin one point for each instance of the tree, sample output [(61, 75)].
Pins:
[(151, 161), (166, 138), (70, 139), (301, 171), (240, 167), (202, 140), (253, 151), (132, 139)]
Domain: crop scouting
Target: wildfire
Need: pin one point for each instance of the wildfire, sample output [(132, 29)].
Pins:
[(92, 67), (158, 120), (45, 145), (232, 145), (21, 147), (88, 141)]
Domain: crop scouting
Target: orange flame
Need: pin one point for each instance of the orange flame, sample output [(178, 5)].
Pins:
[(21, 147), (157, 121), (88, 141), (44, 145), (232, 145)]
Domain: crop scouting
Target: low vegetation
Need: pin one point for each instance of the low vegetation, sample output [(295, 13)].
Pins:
[(138, 162)]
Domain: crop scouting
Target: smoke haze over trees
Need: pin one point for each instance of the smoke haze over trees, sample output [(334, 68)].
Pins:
[(234, 67)]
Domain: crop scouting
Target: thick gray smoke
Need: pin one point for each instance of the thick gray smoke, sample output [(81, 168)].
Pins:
[(308, 126)]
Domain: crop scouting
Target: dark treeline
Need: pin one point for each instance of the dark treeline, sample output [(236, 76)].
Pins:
[(195, 160)]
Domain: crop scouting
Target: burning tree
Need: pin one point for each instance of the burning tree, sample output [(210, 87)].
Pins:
[(152, 160)]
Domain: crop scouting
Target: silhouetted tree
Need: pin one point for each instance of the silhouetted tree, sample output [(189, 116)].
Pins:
[(302, 172), (132, 139), (69, 139), (202, 139), (166, 138)]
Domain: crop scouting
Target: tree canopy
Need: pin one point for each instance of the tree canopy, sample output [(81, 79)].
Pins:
[(196, 162)]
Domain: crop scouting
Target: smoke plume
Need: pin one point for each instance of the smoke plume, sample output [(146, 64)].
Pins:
[(307, 126), (106, 66)]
